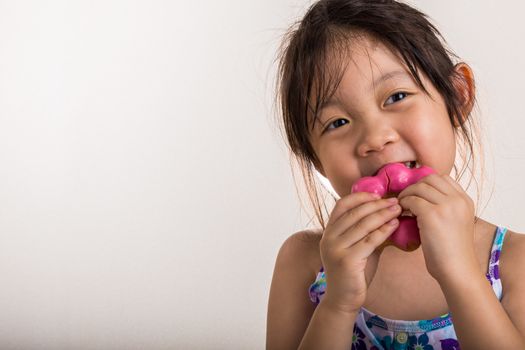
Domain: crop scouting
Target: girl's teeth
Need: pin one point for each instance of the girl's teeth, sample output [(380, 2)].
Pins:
[(412, 164)]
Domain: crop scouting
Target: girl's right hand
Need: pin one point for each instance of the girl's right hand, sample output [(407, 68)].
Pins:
[(357, 227)]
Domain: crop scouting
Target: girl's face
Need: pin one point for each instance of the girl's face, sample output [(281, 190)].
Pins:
[(377, 116)]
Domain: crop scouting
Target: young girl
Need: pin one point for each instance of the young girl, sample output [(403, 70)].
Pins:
[(363, 84)]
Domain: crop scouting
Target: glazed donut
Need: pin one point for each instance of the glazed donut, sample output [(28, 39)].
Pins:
[(390, 180)]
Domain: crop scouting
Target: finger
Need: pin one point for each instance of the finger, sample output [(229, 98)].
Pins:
[(366, 246), (432, 180), (454, 184), (424, 190), (347, 203), (460, 191), (369, 223), (442, 184), (416, 204), (355, 215), (439, 183)]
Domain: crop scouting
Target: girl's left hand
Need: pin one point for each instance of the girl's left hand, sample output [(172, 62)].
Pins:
[(445, 218)]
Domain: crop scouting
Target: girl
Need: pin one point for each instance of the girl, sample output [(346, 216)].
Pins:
[(362, 84)]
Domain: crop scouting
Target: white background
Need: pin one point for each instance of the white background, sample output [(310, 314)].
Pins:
[(144, 186)]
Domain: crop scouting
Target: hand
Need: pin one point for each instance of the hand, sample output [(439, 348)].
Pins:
[(356, 228), (445, 218)]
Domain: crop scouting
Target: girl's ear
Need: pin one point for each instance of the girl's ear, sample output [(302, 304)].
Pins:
[(464, 83)]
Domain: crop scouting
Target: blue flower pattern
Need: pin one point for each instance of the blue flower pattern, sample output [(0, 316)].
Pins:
[(358, 339), (419, 342)]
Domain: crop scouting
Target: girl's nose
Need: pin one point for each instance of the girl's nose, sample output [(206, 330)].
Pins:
[(375, 136)]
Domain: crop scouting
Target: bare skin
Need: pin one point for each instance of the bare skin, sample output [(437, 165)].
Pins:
[(396, 270)]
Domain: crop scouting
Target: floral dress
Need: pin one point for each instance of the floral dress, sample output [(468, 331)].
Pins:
[(374, 332)]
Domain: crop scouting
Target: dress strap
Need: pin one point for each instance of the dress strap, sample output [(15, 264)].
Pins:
[(318, 288), (493, 270)]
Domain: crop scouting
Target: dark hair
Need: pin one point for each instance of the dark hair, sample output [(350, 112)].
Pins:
[(325, 34)]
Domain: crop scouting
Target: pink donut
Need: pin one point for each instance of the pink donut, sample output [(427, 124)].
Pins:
[(389, 181)]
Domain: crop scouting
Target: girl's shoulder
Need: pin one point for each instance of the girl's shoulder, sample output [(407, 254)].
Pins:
[(289, 308), (308, 237), (304, 246), (514, 239)]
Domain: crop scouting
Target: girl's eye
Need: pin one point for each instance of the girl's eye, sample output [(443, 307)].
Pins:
[(336, 124), (397, 94)]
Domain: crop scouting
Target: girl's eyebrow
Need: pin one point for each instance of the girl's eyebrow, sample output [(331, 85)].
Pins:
[(331, 102), (387, 76), (334, 101)]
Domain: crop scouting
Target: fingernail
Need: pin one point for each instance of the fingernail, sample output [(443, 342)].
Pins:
[(394, 207), (392, 200), (392, 222)]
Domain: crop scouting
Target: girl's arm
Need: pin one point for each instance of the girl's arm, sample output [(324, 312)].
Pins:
[(329, 328), (480, 320), (293, 321)]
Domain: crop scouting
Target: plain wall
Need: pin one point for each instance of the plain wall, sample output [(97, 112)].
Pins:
[(145, 189)]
